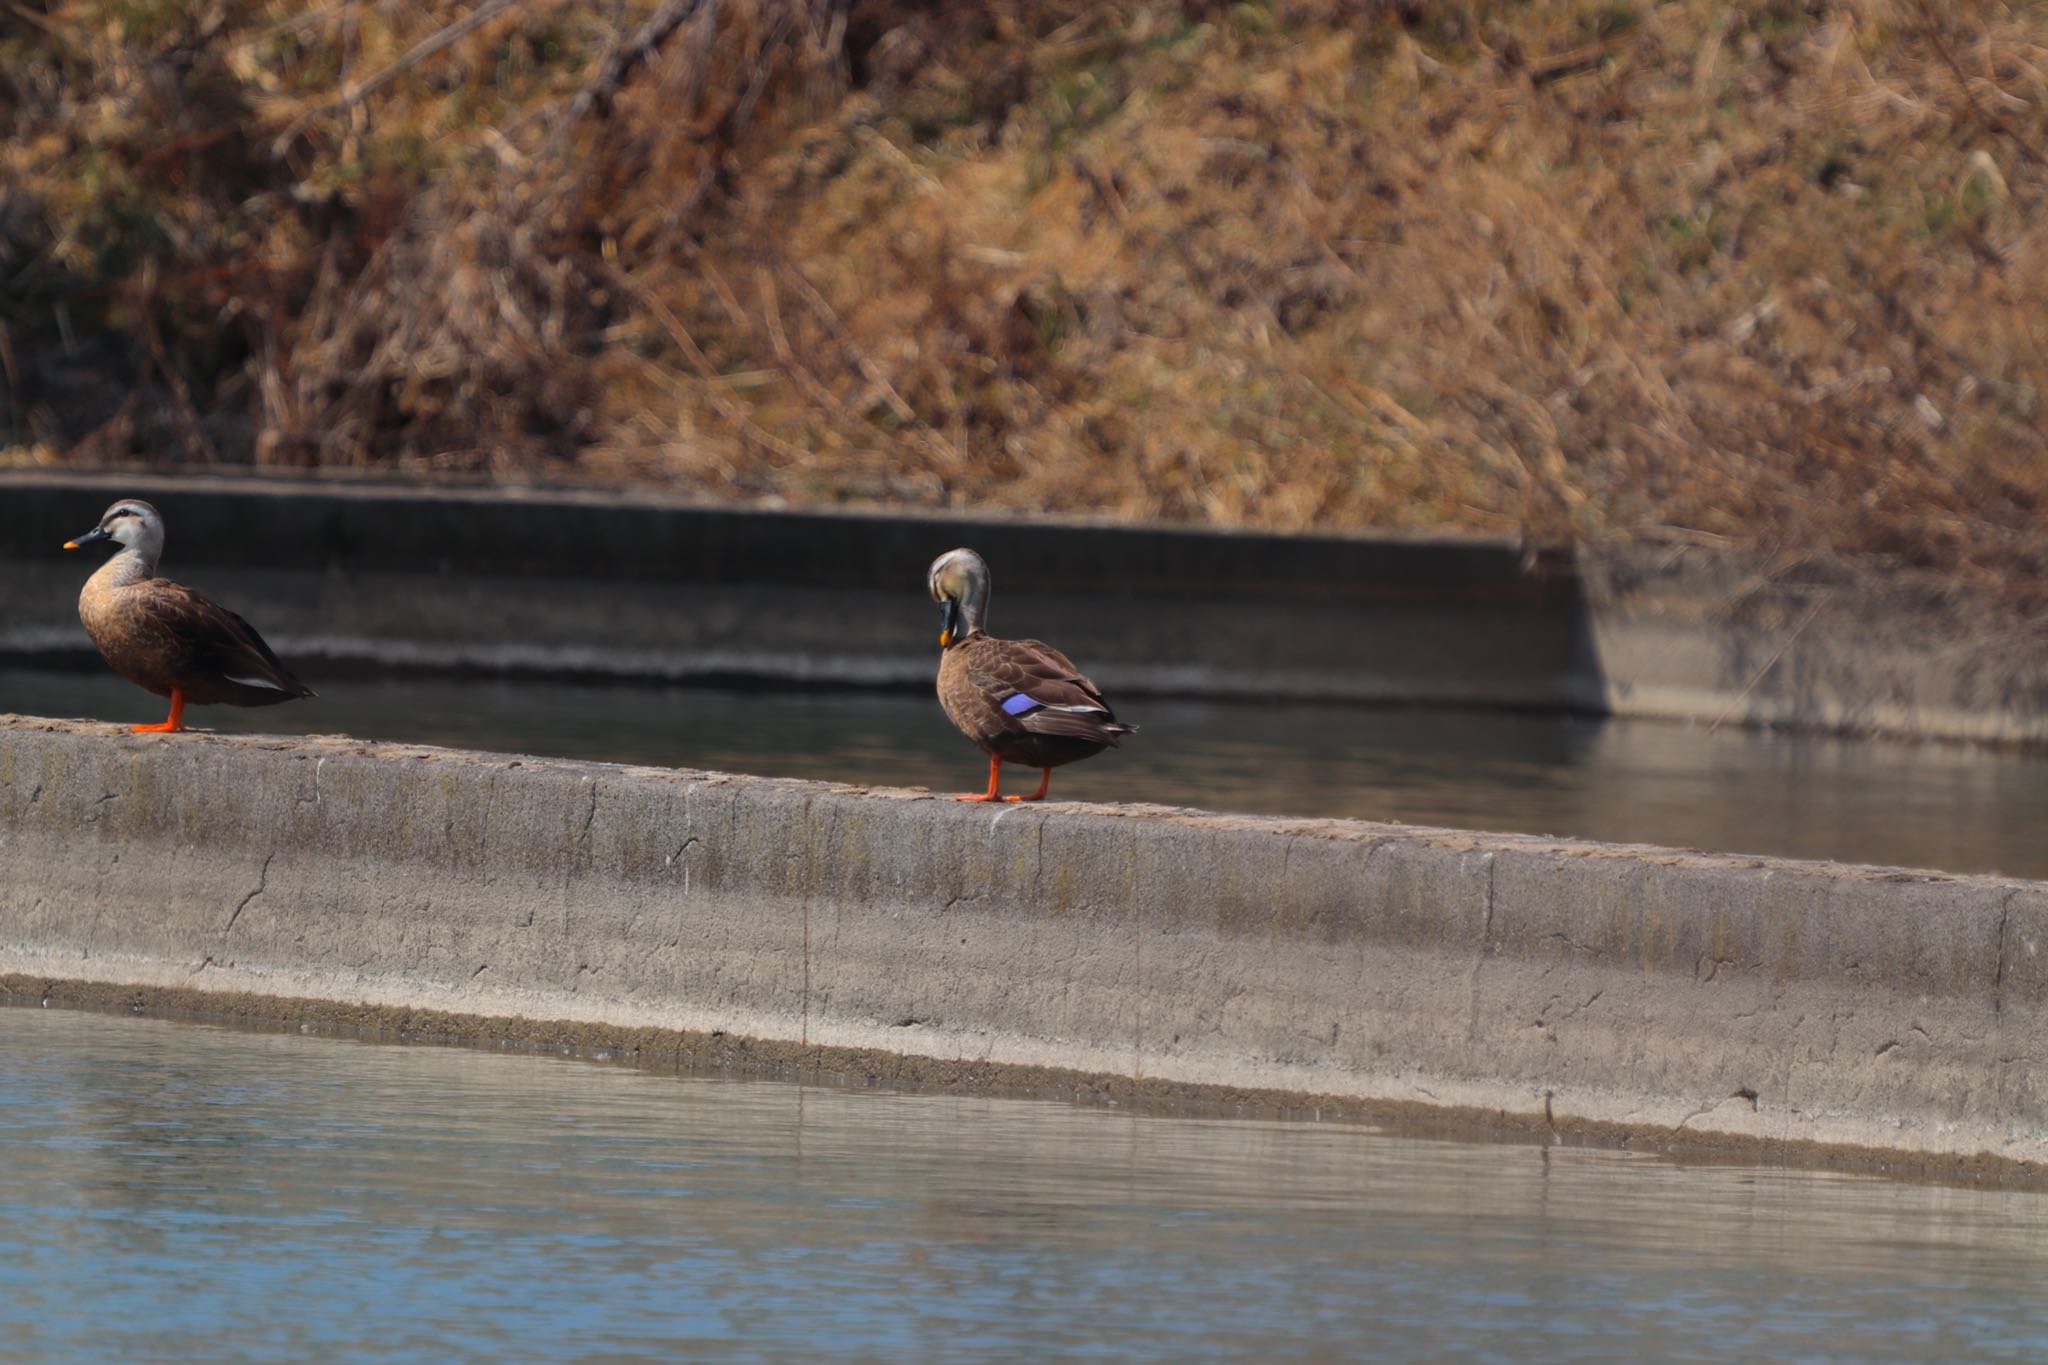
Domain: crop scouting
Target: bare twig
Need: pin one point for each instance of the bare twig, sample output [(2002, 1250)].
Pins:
[(1776, 654), (867, 370), (720, 290), (785, 355), (1993, 124), (196, 442), (1556, 67), (414, 55), (311, 18), (597, 94), (29, 16), (771, 313), (733, 413), (743, 112), (946, 448)]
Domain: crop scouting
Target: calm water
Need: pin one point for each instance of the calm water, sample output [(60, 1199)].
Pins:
[(182, 1192), (1923, 805)]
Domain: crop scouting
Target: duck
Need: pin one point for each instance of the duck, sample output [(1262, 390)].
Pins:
[(166, 638), (1020, 701)]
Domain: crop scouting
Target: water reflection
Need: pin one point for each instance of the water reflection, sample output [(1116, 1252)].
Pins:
[(177, 1192), (1924, 805)]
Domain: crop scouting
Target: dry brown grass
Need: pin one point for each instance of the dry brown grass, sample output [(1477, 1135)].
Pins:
[(1770, 273)]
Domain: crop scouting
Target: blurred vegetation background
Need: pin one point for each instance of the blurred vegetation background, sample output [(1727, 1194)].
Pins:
[(1764, 273)]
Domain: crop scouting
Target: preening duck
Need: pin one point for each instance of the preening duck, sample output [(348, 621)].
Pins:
[(166, 638), (1021, 701)]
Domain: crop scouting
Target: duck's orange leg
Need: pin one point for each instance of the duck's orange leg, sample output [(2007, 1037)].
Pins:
[(176, 720), (995, 776)]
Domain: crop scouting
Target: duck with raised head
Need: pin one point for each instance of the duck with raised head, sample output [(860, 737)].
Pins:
[(166, 638), (1020, 701)]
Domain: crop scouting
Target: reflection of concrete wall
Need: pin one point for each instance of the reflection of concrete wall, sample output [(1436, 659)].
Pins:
[(1646, 989)]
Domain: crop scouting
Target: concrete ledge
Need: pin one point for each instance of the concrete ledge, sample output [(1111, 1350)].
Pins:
[(1664, 996)]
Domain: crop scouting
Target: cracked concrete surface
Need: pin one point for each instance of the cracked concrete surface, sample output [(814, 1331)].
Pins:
[(1637, 995)]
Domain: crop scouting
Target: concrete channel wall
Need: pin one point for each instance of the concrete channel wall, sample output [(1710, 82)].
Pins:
[(346, 577), (1618, 993), (342, 577)]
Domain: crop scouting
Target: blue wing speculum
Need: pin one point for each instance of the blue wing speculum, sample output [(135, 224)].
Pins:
[(1023, 704)]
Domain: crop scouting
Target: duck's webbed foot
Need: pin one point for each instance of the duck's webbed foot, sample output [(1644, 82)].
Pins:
[(995, 777), (174, 722)]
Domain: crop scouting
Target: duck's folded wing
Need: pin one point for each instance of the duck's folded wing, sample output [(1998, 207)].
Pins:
[(1042, 692), (211, 641)]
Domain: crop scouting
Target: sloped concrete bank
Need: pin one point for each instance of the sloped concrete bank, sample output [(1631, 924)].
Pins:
[(1666, 997)]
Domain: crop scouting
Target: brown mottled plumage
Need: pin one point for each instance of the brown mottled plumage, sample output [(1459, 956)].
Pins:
[(166, 638), (1020, 701)]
